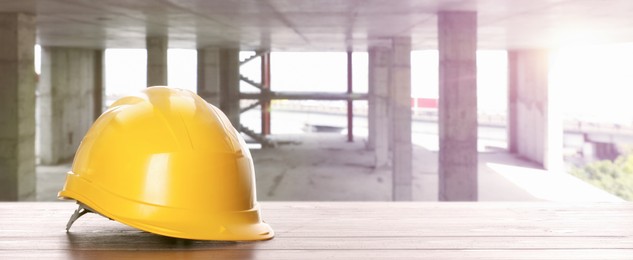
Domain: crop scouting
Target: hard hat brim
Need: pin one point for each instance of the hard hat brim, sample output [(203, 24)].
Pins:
[(168, 221)]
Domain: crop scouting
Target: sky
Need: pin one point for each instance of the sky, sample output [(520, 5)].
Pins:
[(594, 82)]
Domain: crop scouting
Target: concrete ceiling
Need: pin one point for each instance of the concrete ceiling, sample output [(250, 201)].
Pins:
[(321, 25)]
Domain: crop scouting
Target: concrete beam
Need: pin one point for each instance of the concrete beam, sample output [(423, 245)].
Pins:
[(535, 128), (457, 41), (66, 100), (303, 95), (378, 104), (209, 75), (400, 99), (157, 60), (17, 107), (230, 84)]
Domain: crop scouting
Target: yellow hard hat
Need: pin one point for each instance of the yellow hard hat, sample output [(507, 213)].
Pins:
[(167, 162)]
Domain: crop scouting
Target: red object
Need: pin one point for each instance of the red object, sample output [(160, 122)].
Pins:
[(424, 102), (427, 102)]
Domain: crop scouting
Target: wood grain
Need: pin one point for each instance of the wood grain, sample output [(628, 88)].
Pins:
[(344, 230)]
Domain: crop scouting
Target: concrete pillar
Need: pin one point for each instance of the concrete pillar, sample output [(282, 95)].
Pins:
[(265, 104), (378, 117), (512, 102), (99, 89), (17, 107), (66, 100), (156, 60), (350, 90), (457, 42), (209, 75), (230, 84), (400, 99), (535, 128)]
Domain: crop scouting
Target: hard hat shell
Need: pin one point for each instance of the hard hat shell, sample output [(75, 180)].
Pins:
[(167, 162)]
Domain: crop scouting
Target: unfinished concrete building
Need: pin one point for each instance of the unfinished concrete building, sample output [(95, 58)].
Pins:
[(74, 34)]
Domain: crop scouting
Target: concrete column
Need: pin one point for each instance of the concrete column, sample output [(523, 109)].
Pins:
[(99, 89), (378, 117), (230, 84), (265, 104), (17, 107), (157, 60), (372, 98), (400, 99), (67, 93), (512, 102), (457, 41), (535, 128), (209, 75)]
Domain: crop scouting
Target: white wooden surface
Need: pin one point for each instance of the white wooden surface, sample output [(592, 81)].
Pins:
[(343, 230)]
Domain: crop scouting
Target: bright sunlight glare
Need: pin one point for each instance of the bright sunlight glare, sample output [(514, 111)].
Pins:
[(126, 70), (595, 82)]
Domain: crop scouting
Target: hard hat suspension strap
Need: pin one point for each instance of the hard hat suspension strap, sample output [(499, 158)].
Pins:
[(80, 211)]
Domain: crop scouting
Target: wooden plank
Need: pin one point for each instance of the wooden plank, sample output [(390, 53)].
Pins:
[(343, 230), (624, 254), (133, 240), (399, 219)]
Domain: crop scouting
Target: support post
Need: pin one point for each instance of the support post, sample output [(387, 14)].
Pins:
[(209, 75), (98, 90), (400, 99), (350, 103), (156, 60), (512, 101), (17, 107), (265, 104), (535, 128), (458, 160), (67, 93), (378, 119), (230, 84)]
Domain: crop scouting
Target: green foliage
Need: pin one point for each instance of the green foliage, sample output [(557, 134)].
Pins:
[(615, 177)]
